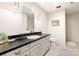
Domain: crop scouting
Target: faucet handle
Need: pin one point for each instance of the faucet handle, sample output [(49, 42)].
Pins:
[(31, 31)]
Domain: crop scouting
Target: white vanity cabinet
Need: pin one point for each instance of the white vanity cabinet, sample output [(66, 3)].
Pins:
[(37, 48)]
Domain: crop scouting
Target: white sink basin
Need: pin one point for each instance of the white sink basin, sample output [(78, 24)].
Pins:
[(11, 40), (33, 37)]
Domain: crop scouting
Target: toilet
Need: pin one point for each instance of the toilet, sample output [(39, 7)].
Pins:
[(52, 41)]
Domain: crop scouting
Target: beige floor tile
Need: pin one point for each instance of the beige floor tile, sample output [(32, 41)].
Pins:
[(57, 50)]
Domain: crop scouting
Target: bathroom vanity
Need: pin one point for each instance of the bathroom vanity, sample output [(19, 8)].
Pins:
[(23, 46), (26, 47)]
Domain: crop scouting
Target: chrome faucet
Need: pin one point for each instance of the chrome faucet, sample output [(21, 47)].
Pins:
[(31, 31)]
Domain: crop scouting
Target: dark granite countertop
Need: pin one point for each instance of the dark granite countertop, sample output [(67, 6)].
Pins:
[(7, 47)]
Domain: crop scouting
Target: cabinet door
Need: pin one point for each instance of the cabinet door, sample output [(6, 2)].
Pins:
[(26, 53), (35, 51), (45, 45), (48, 41)]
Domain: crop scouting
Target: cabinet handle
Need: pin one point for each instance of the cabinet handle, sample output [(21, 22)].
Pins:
[(18, 52)]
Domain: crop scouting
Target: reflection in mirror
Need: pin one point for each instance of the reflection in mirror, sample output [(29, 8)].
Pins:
[(30, 22), (28, 18)]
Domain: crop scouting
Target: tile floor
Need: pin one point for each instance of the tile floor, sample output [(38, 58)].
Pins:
[(57, 50)]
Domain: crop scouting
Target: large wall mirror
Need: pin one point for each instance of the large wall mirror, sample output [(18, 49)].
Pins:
[(15, 18), (28, 18)]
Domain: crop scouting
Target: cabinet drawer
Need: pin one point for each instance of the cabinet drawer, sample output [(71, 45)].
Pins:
[(37, 42)]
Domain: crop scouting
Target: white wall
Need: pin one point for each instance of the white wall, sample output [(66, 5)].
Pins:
[(24, 21), (73, 27), (10, 22), (57, 32), (40, 19)]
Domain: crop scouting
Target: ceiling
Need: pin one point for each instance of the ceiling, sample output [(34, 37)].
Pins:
[(49, 7)]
